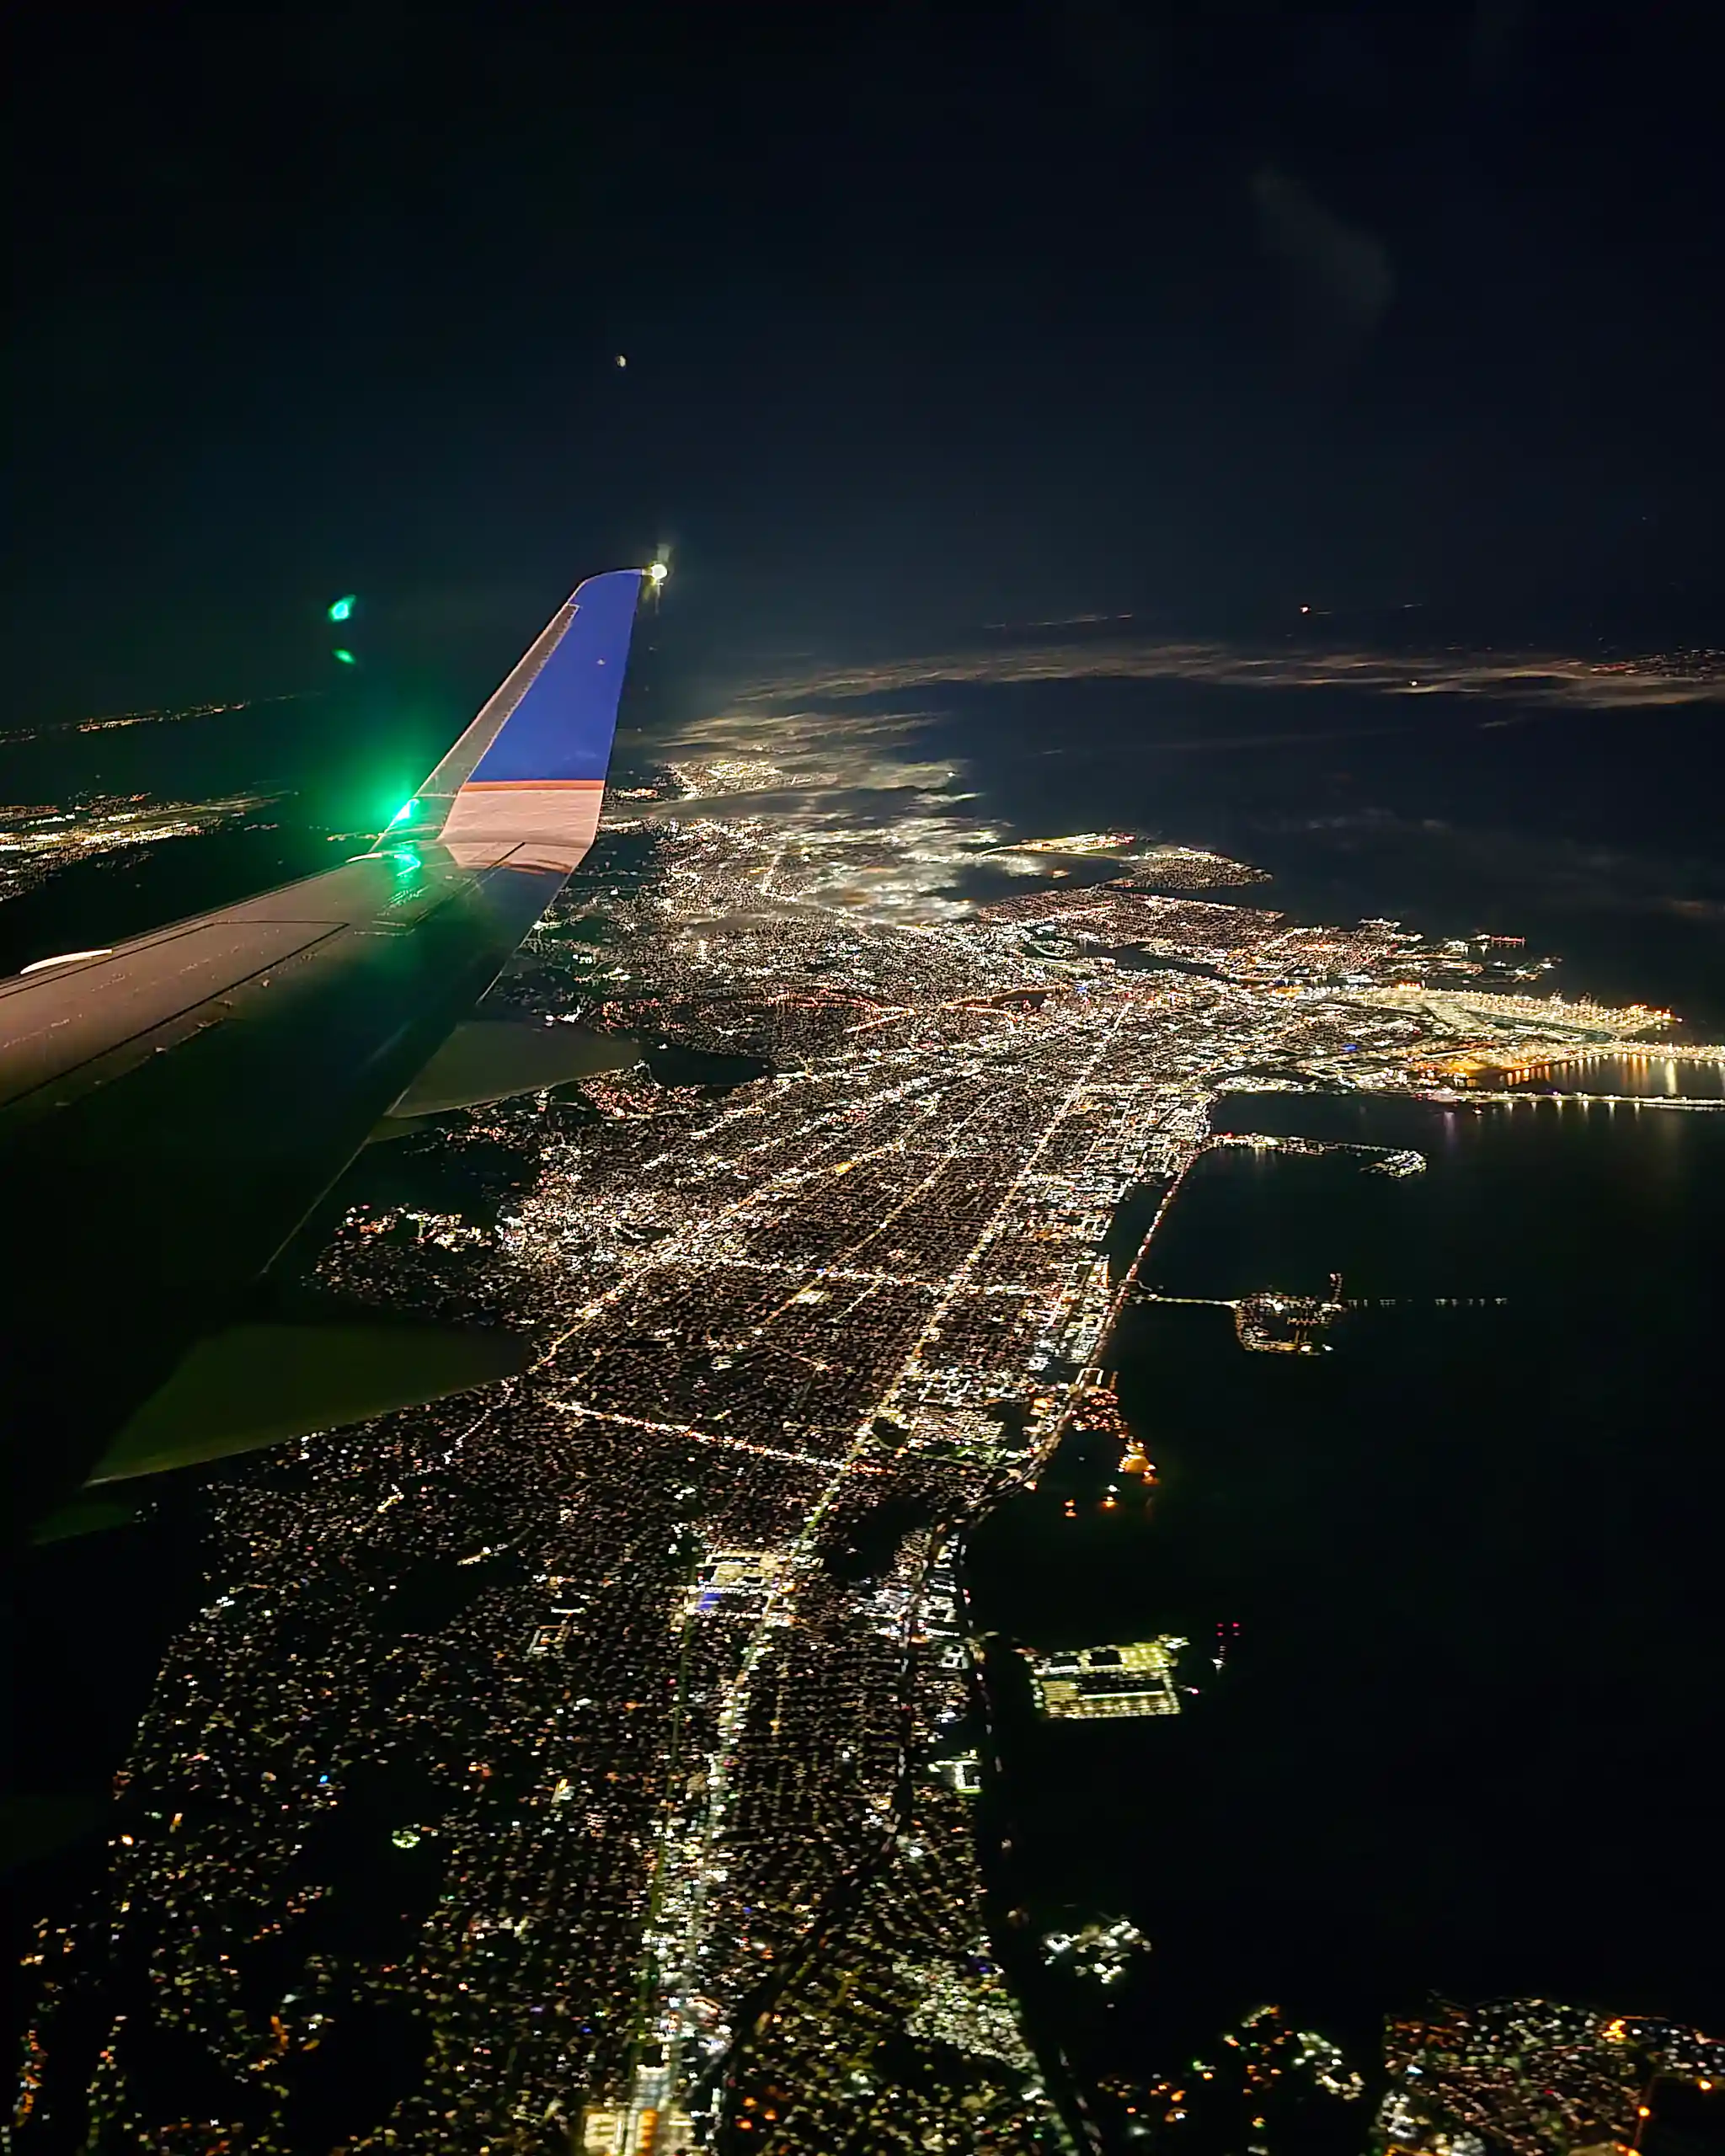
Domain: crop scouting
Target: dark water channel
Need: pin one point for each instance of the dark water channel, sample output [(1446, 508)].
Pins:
[(1462, 1737)]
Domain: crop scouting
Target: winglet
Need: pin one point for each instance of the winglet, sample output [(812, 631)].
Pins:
[(526, 781)]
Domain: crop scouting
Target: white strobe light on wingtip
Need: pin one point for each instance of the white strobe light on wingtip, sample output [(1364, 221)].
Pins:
[(659, 571)]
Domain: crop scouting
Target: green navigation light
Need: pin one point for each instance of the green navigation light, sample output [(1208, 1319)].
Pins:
[(346, 657), (344, 607), (405, 813)]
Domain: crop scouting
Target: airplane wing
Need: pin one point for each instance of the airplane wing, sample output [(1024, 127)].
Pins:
[(171, 1109)]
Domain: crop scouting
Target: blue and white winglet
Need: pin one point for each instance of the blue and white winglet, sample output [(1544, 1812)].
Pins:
[(525, 783)]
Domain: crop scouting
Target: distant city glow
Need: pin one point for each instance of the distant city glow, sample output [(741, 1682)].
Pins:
[(34, 843)]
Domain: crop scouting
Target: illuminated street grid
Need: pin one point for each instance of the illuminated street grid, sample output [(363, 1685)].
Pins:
[(1523, 2075), (579, 1763)]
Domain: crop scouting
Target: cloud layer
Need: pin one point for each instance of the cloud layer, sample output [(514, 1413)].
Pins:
[(834, 760), (1538, 678)]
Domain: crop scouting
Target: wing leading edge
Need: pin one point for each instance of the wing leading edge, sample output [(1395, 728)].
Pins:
[(171, 1110)]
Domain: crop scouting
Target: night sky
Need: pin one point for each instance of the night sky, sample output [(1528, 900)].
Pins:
[(937, 318), (933, 315)]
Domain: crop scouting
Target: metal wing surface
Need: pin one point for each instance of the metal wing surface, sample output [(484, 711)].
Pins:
[(171, 1110)]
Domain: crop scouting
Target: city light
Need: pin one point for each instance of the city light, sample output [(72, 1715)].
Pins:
[(35, 843), (595, 1697), (1526, 2075)]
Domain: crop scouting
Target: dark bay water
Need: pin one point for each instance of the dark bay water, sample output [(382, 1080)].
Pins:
[(1463, 1738)]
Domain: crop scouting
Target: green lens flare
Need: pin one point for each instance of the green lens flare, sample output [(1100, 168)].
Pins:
[(346, 657), (344, 607)]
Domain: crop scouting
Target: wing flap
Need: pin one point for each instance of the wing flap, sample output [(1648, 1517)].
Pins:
[(52, 1023), (494, 1059), (256, 1384)]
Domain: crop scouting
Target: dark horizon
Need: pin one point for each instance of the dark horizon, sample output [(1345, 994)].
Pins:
[(928, 321)]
